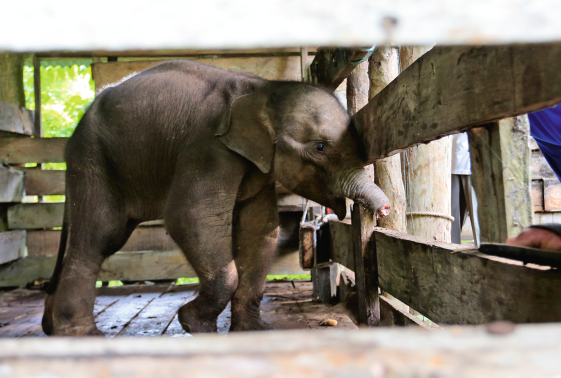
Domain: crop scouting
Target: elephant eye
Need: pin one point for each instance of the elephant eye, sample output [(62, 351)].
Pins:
[(320, 147)]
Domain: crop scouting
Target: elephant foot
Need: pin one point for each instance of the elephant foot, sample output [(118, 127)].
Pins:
[(76, 331), (47, 321), (193, 322), (249, 325)]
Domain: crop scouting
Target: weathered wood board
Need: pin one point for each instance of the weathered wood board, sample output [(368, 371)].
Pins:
[(463, 352), (332, 65), (451, 284), (539, 167), (272, 68), (38, 182), (49, 214), (552, 195), (451, 89), (11, 185), (537, 195), (131, 266), (500, 159), (32, 150), (12, 246), (45, 242), (15, 119)]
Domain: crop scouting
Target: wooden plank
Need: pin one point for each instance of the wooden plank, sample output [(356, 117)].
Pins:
[(272, 68), (11, 185), (35, 215), (155, 318), (537, 195), (501, 178), (366, 266), (451, 284), (552, 195), (332, 65), (211, 53), (452, 89), (392, 316), (49, 215), (513, 351), (45, 242), (132, 266), (38, 182), (341, 243), (12, 246), (16, 119), (32, 150), (539, 167), (37, 126)]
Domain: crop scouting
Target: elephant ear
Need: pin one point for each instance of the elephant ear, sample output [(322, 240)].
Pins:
[(247, 131)]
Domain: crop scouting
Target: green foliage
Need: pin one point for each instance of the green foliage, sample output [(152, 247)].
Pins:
[(66, 93)]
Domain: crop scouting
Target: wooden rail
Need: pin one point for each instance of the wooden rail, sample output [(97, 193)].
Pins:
[(452, 89), (483, 352)]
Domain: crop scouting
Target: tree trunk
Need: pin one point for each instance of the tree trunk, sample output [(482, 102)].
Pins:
[(383, 68), (428, 177)]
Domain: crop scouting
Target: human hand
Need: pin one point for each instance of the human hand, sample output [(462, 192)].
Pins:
[(537, 238)]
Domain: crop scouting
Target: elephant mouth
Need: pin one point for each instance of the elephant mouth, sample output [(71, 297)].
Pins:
[(339, 207)]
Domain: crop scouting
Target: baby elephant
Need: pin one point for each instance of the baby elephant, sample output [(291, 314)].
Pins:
[(200, 148)]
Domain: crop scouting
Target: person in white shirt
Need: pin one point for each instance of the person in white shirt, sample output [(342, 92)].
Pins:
[(463, 195)]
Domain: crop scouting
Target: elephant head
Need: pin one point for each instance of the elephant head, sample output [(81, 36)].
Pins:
[(304, 137)]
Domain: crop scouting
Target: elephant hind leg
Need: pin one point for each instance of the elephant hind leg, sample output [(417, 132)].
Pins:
[(99, 228), (198, 217)]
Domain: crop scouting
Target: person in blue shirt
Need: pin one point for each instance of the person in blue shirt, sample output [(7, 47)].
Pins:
[(545, 128)]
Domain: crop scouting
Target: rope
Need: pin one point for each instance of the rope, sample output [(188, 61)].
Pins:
[(431, 214), (368, 54)]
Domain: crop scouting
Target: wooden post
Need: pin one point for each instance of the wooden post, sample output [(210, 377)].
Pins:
[(366, 266), (11, 91), (37, 94), (500, 160), (427, 175), (383, 68), (303, 61)]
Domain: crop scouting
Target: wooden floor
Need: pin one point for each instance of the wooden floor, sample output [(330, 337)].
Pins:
[(151, 310)]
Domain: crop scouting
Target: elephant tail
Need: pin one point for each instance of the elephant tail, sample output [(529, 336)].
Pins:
[(61, 249)]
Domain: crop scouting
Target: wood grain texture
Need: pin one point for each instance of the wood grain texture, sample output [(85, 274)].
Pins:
[(537, 195), (38, 182), (16, 119), (132, 266), (366, 266), (45, 242), (272, 68), (427, 175), (333, 65), (11, 78), (12, 246), (463, 352), (500, 159), (32, 150), (451, 284), (11, 185), (35, 215), (383, 68), (452, 89), (552, 195)]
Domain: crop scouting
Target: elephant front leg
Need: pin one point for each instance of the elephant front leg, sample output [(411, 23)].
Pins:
[(254, 242)]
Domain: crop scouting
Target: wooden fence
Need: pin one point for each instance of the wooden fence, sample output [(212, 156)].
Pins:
[(448, 90)]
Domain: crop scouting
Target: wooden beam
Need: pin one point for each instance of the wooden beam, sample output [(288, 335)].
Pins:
[(132, 266), (38, 127), (16, 119), (452, 89), (32, 150), (12, 246), (272, 68), (500, 159), (11, 185), (451, 284), (39, 182), (49, 215), (483, 352), (366, 266), (393, 316), (332, 65)]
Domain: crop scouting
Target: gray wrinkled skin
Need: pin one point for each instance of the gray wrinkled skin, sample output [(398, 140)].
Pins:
[(200, 148)]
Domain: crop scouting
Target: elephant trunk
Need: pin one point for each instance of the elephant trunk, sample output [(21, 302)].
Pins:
[(360, 188)]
